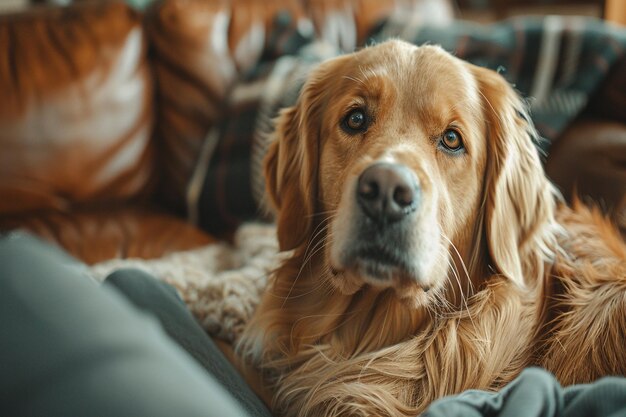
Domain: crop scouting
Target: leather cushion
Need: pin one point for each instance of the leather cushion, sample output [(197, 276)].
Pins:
[(76, 108), (100, 233)]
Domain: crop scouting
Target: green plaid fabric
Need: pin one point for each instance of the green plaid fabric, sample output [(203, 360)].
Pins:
[(232, 183), (555, 62)]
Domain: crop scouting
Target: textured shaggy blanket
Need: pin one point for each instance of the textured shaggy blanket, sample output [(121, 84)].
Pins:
[(220, 283)]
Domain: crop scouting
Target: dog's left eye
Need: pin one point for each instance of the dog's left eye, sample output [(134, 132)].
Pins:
[(355, 122), (451, 140)]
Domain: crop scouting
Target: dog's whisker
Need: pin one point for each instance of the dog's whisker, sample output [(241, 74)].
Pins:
[(447, 306), (441, 302), (463, 297), (304, 294), (453, 269), (321, 228), (457, 278), (456, 275), (333, 213), (320, 245), (460, 258)]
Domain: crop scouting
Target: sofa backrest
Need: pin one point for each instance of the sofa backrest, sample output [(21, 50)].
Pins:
[(76, 107)]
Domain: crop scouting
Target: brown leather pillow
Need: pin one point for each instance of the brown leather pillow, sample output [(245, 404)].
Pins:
[(76, 107), (609, 101), (96, 234)]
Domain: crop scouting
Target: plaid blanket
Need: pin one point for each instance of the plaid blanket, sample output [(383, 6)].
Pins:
[(555, 62)]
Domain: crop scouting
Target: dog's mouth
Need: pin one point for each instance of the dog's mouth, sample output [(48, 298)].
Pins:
[(381, 264), (381, 256), (382, 261)]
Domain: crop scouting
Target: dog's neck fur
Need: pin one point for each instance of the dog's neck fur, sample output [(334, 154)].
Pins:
[(306, 309), (314, 312), (310, 333)]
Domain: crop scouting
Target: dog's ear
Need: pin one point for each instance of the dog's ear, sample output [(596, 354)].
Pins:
[(291, 165), (519, 199), (291, 183)]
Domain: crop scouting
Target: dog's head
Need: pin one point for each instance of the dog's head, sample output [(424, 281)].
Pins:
[(416, 169)]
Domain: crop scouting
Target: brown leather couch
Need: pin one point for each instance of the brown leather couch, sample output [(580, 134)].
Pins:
[(103, 110)]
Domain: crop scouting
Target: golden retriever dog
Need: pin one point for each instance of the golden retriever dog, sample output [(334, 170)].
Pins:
[(429, 252)]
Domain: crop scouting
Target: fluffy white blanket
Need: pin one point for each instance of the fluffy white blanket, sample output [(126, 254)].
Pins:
[(220, 283)]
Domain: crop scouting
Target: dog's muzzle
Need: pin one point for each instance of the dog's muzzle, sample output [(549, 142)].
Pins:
[(388, 199)]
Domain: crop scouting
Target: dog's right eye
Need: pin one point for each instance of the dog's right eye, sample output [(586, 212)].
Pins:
[(355, 122)]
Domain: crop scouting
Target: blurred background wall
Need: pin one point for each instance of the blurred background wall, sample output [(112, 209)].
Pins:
[(477, 10)]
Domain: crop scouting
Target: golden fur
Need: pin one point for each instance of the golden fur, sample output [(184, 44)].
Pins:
[(507, 276)]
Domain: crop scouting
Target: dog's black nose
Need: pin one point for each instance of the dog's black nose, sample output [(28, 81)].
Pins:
[(387, 192)]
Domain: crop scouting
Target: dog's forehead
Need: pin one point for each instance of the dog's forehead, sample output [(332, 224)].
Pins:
[(417, 70), (425, 82)]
